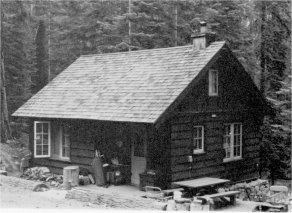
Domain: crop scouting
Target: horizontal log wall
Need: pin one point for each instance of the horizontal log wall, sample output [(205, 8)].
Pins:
[(81, 148), (210, 163)]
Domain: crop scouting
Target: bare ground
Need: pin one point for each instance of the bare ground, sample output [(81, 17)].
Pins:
[(17, 197)]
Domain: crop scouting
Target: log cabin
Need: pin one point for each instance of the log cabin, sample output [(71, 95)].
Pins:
[(167, 114)]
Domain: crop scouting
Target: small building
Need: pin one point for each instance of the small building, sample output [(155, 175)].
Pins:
[(166, 114)]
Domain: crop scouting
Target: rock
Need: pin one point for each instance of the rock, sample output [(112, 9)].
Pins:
[(44, 170), (39, 187)]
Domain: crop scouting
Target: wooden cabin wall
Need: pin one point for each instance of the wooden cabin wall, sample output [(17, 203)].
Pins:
[(237, 101), (82, 140), (210, 163), (85, 138), (158, 156)]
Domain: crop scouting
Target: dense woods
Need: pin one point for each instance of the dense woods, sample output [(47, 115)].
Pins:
[(41, 38)]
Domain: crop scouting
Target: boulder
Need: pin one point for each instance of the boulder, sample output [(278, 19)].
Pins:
[(40, 187)]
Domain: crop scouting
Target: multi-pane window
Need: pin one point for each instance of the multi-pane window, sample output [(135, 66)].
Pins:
[(198, 138), (65, 144), (42, 138), (232, 141), (213, 82)]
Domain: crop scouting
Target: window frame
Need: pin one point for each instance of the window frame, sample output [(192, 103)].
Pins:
[(232, 136), (202, 150), (211, 82), (49, 139)]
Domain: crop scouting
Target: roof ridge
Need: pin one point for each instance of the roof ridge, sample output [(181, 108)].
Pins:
[(145, 50)]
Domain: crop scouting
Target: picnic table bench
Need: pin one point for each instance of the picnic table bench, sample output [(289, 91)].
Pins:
[(211, 197), (230, 194)]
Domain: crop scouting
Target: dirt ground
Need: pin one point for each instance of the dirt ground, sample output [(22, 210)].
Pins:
[(16, 197)]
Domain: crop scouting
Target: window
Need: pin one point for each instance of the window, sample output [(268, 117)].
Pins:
[(42, 139), (213, 82), (232, 141), (198, 139)]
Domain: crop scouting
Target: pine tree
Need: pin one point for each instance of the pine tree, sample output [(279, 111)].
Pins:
[(275, 62), (42, 77), (15, 54)]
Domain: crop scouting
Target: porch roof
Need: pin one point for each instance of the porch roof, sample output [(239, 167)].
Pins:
[(137, 86)]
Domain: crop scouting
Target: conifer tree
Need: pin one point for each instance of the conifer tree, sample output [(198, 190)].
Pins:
[(42, 76), (16, 61), (276, 72)]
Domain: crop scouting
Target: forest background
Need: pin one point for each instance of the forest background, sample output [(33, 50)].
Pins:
[(41, 38)]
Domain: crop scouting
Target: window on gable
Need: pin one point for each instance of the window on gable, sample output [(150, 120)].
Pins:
[(198, 139), (213, 82), (42, 139), (232, 141)]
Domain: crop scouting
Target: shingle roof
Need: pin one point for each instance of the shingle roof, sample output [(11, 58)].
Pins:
[(135, 86)]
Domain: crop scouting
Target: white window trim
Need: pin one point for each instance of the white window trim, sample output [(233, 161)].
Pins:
[(211, 93), (198, 151), (61, 143), (232, 158), (49, 139)]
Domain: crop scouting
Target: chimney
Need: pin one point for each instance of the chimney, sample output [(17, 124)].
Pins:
[(204, 38)]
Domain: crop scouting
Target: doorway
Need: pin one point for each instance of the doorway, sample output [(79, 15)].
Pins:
[(138, 154)]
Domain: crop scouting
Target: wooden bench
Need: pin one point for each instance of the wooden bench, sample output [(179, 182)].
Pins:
[(210, 198)]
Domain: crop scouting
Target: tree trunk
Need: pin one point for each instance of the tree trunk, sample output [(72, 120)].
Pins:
[(5, 125), (5, 132), (263, 48), (175, 25)]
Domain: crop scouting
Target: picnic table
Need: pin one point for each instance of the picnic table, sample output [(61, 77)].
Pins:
[(201, 182), (208, 200)]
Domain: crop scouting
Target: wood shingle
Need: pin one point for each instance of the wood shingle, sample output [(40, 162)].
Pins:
[(135, 86)]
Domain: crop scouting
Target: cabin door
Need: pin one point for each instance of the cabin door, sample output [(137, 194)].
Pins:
[(138, 155)]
